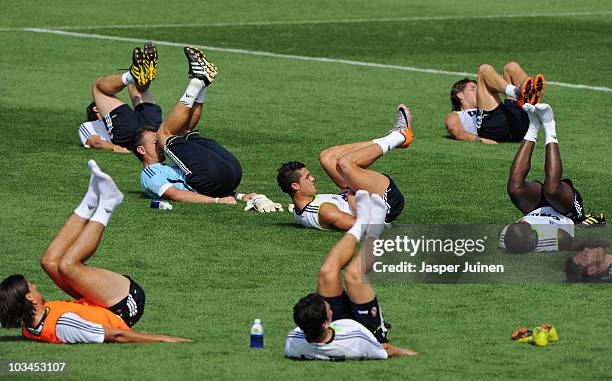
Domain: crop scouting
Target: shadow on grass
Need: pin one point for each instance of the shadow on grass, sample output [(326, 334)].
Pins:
[(12, 338)]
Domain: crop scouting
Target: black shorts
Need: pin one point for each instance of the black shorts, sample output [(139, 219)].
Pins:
[(340, 306), (131, 308), (577, 210), (506, 123), (122, 122), (210, 169), (395, 201)]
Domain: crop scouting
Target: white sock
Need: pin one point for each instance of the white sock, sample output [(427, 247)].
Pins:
[(534, 123), (378, 212), (550, 132), (362, 199), (510, 91), (202, 95), (387, 143), (110, 196), (545, 113), (127, 78), (193, 90), (88, 205)]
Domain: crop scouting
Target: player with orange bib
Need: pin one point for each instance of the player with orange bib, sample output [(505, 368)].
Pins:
[(106, 304)]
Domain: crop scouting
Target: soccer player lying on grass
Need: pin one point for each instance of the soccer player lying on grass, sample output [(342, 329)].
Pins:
[(347, 166), (106, 304), (591, 264), (551, 209), (111, 123), (335, 324), (478, 113), (203, 170)]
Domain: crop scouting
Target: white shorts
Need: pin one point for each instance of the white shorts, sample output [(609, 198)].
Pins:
[(88, 129)]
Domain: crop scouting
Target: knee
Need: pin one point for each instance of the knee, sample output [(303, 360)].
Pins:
[(96, 83), (65, 268), (49, 264), (511, 67), (327, 157), (353, 275), (344, 164), (551, 188), (329, 273), (513, 188), (485, 69)]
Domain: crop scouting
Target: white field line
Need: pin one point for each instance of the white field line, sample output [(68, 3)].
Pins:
[(315, 22), (295, 57)]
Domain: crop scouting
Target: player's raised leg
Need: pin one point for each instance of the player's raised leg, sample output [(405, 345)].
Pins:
[(525, 195), (329, 159), (559, 194), (364, 303), (181, 119), (103, 287), (352, 167), (515, 84)]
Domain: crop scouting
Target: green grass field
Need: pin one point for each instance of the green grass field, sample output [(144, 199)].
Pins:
[(210, 270)]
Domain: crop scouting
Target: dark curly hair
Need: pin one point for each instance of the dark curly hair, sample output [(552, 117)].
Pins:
[(15, 309), (309, 314), (289, 173)]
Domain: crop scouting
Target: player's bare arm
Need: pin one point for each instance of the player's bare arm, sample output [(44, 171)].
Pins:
[(131, 336), (394, 351), (98, 143), (331, 217), (181, 195), (456, 130)]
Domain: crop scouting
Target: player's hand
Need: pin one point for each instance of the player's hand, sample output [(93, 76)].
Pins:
[(487, 141), (230, 200), (263, 204), (248, 197)]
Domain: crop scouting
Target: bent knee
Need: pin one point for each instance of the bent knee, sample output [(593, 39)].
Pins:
[(511, 66), (50, 265), (65, 268), (485, 68), (353, 275), (551, 189), (327, 157), (344, 164), (329, 272)]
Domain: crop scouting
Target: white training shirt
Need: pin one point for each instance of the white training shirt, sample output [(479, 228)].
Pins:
[(351, 341), (73, 329), (309, 216), (469, 120), (547, 222), (96, 127)]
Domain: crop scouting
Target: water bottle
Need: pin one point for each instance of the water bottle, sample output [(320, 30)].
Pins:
[(163, 205), (257, 334)]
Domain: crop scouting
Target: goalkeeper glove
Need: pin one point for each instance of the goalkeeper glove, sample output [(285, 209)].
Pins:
[(263, 204)]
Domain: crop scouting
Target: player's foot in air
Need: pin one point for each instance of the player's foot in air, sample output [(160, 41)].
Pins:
[(139, 70), (539, 84), (524, 92), (545, 113), (199, 66), (110, 195), (150, 53), (403, 125)]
